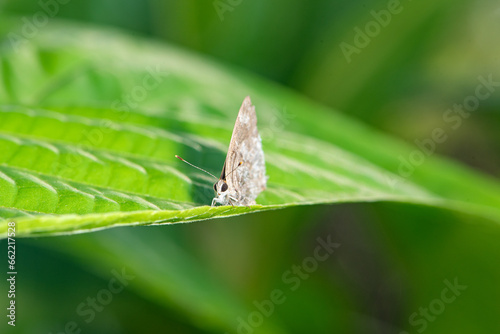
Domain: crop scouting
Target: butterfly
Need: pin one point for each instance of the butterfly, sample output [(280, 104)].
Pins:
[(243, 175)]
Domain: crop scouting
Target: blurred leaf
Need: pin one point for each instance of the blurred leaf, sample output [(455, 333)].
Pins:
[(90, 121), (180, 281), (386, 64)]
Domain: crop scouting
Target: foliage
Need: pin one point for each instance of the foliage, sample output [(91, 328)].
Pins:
[(88, 135)]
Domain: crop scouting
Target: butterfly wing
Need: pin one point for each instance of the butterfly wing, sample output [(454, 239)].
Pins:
[(245, 182)]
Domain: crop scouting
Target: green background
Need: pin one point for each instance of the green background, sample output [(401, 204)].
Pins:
[(392, 260)]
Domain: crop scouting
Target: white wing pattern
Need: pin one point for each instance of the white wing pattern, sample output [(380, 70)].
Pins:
[(245, 181)]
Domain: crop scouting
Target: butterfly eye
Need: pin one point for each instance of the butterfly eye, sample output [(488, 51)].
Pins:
[(224, 187), (215, 187)]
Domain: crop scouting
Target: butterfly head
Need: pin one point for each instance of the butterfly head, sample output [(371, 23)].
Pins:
[(221, 188)]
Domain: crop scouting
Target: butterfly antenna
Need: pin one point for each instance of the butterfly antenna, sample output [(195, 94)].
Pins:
[(190, 164), (241, 163)]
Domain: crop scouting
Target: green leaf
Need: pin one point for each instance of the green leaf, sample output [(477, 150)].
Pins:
[(90, 121)]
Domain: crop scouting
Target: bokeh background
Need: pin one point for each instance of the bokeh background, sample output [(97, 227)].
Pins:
[(393, 259)]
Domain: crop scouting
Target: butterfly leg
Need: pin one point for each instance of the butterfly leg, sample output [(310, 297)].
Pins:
[(232, 200)]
